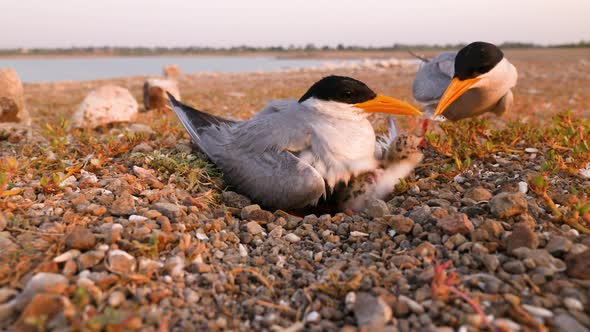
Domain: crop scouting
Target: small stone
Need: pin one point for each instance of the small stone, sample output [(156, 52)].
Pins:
[(521, 236), (376, 208), (478, 194), (578, 266), (247, 209), (291, 237), (105, 105), (491, 262), (170, 210), (537, 311), (455, 223), (277, 232), (559, 245), (372, 313), (116, 299), (171, 71), (399, 223), (124, 205), (66, 256), (119, 261), (566, 323), (514, 267), (154, 93), (506, 205), (90, 259), (43, 305), (242, 250), (523, 187), (573, 304), (254, 228), (12, 99), (42, 282), (313, 317), (235, 200), (142, 147), (3, 222), (80, 238), (416, 307)]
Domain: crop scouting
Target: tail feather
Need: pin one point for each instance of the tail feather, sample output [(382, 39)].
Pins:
[(193, 119)]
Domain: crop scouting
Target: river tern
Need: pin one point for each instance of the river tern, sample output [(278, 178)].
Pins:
[(294, 152), (458, 85)]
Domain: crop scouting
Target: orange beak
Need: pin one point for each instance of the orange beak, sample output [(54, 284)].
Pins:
[(454, 91), (384, 104)]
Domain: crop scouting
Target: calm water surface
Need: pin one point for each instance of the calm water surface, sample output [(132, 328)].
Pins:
[(81, 69)]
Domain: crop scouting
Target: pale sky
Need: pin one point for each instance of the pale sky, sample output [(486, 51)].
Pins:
[(65, 23)]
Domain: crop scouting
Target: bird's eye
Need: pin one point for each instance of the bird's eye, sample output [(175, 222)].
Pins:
[(348, 93)]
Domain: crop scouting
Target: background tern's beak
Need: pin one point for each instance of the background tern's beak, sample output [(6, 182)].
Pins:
[(389, 105), (454, 91)]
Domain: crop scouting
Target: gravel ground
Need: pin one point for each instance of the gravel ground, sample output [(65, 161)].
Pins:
[(130, 228)]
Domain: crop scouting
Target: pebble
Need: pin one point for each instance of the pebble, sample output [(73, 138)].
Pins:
[(168, 209), (399, 223), (116, 299), (478, 194), (292, 237), (80, 238), (455, 223), (66, 256), (90, 259), (254, 228), (523, 187), (119, 261), (559, 245), (42, 282), (123, 205), (514, 267), (566, 323), (537, 311), (247, 209), (416, 307), (573, 304), (371, 312), (235, 200), (491, 262), (376, 208), (521, 236), (578, 266), (506, 205), (313, 317)]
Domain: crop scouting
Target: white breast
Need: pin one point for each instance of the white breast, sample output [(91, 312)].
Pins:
[(341, 148)]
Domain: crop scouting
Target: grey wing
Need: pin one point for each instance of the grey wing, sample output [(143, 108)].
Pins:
[(256, 158), (273, 179), (433, 78)]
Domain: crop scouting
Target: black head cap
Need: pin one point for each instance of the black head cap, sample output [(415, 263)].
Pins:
[(476, 59), (341, 89)]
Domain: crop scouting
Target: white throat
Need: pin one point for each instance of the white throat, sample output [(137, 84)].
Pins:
[(335, 109)]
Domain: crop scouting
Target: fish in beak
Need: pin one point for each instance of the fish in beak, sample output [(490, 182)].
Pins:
[(384, 104), (454, 90)]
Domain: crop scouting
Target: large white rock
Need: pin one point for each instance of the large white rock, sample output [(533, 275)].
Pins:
[(154, 92), (107, 104), (12, 99)]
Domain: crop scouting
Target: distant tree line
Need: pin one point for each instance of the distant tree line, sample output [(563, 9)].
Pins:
[(139, 51)]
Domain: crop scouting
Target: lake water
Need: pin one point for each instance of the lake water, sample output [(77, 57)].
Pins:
[(81, 69)]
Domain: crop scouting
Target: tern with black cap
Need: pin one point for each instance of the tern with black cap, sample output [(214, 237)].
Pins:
[(294, 152), (476, 80)]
